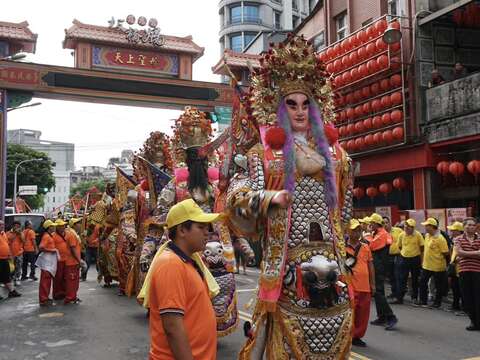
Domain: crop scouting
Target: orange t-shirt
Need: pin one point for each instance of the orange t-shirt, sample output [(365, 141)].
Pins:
[(16, 243), (4, 247), (47, 242), (61, 245), (72, 241), (360, 276), (380, 239), (29, 235), (177, 287), (93, 240)]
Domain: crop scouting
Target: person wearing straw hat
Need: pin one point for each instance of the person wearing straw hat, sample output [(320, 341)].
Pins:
[(360, 262), (411, 245), (48, 251), (456, 230), (182, 319), (379, 247), (434, 263)]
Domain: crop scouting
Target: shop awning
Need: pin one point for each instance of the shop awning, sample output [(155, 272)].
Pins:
[(444, 11)]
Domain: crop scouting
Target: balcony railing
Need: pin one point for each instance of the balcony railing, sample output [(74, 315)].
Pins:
[(245, 20), (277, 1)]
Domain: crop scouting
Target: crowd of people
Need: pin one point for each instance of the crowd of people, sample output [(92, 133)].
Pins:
[(433, 264)]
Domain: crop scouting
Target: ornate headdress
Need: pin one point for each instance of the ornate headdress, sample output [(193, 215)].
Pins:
[(286, 69), (192, 128), (157, 150)]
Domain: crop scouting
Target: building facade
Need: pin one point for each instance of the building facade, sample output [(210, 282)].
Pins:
[(62, 154)]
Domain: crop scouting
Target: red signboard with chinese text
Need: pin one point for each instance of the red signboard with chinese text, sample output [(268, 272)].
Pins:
[(132, 60), (19, 76)]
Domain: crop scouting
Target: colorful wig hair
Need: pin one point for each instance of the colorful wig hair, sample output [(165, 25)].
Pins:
[(323, 149)]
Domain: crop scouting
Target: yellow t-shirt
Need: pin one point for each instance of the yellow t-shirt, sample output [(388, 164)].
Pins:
[(396, 233), (435, 249), (411, 245)]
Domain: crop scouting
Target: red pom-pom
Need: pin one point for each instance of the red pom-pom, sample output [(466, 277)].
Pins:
[(275, 137), (331, 133), (144, 185)]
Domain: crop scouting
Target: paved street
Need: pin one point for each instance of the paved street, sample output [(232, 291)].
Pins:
[(106, 326)]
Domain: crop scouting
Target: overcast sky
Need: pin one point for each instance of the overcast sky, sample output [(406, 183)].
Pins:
[(102, 131)]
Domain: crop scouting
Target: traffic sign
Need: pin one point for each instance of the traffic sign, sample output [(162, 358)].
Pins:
[(27, 190)]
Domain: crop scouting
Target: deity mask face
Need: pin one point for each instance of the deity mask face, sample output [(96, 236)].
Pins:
[(297, 108), (213, 254)]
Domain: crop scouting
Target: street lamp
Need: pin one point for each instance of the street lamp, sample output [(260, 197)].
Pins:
[(25, 106), (15, 57), (15, 179)]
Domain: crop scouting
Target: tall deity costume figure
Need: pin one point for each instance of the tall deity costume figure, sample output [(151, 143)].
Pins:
[(295, 193), (152, 166), (193, 178)]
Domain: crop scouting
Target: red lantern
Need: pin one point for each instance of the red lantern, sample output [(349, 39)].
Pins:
[(357, 95), (342, 116), (349, 98), (350, 129), (359, 127), (362, 70), (365, 92), (381, 26), (330, 53), (395, 63), (341, 131), (375, 89), (330, 68), (345, 45), (322, 56), (346, 61), (399, 183), (341, 100), (337, 49), (377, 138), (398, 133), (396, 98), (376, 105), (370, 32), (385, 188), (395, 24), (382, 62), (386, 102), (372, 192), (351, 145), (350, 114), (456, 169), (395, 81), (338, 81), (369, 140), (387, 136), (353, 58), (381, 45), (386, 119), (370, 49), (337, 65), (385, 84), (358, 192), (354, 74), (346, 77), (358, 111), (367, 108), (394, 47), (372, 66), (443, 167), (377, 122), (361, 37), (367, 123), (359, 143), (396, 116), (361, 53), (473, 167)]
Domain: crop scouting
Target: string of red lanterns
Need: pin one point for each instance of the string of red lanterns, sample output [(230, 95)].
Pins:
[(457, 169), (385, 188)]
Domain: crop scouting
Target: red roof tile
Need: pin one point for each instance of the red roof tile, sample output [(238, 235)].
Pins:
[(106, 35), (235, 60), (18, 32)]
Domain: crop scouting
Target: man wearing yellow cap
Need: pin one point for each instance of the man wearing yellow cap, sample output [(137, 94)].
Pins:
[(411, 244), (47, 245), (61, 245), (434, 263), (379, 246), (456, 230), (182, 319)]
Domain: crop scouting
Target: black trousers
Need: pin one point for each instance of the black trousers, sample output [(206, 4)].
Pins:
[(440, 279), (409, 266), (28, 258), (392, 274), (470, 285), (380, 263), (457, 294)]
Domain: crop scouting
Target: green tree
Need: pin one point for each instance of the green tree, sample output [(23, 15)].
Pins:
[(32, 173), (84, 186)]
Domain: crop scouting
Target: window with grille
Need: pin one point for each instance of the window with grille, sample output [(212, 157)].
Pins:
[(342, 27)]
